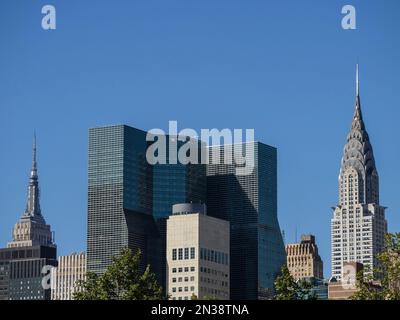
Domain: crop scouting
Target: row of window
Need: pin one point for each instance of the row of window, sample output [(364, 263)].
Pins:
[(214, 256), (180, 279), (183, 269), (184, 253), (182, 289), (214, 292), (213, 272), (214, 282)]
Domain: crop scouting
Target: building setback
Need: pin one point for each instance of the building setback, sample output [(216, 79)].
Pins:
[(249, 203), (129, 199), (303, 260), (358, 225), (22, 272), (197, 254), (65, 277)]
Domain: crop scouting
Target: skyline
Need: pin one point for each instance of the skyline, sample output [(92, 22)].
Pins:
[(307, 125)]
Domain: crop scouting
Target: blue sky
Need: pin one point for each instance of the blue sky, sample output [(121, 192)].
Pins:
[(284, 68)]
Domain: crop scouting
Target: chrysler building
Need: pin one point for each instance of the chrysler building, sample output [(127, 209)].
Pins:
[(358, 226)]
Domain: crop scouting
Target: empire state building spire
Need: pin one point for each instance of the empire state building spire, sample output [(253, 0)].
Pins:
[(31, 229), (33, 202)]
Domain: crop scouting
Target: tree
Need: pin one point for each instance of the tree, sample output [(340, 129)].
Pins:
[(194, 297), (287, 288), (122, 280), (388, 273), (209, 297)]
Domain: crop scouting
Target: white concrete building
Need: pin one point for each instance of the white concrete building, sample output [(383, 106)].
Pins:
[(197, 254), (358, 225), (64, 277)]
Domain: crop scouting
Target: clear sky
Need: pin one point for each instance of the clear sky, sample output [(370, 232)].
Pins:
[(284, 68)]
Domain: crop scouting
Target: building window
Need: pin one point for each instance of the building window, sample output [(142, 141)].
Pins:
[(173, 279), (173, 254), (180, 254), (186, 269), (192, 269), (173, 270), (186, 253), (173, 289), (192, 253)]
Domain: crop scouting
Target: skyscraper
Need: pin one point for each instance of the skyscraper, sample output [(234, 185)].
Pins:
[(358, 225), (303, 260), (249, 203), (197, 254), (129, 199), (32, 248), (31, 229), (65, 277)]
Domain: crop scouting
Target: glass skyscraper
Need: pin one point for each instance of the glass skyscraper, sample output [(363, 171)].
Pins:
[(129, 199), (249, 203)]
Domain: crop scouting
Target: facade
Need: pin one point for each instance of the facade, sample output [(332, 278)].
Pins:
[(358, 225), (22, 264), (65, 276), (197, 254), (249, 203), (303, 260), (129, 199), (22, 273), (343, 289)]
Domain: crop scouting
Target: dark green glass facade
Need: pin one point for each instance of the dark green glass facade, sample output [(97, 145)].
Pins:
[(129, 200), (249, 203)]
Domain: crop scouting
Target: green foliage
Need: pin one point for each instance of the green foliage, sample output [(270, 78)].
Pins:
[(388, 274), (121, 281), (286, 288), (209, 297), (193, 297)]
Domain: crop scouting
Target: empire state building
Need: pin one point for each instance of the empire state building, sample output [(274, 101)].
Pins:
[(358, 225), (31, 229)]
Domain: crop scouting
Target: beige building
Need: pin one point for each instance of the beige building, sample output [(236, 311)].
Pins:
[(303, 260), (343, 289), (197, 254), (64, 277)]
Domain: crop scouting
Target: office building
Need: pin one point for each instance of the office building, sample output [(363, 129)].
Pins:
[(358, 225), (303, 260), (25, 263), (197, 254), (23, 273), (66, 276), (129, 199), (249, 202)]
